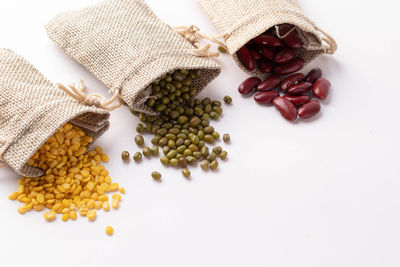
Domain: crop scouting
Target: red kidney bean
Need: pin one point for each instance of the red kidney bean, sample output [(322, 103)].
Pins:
[(288, 68), (266, 66), (285, 55), (300, 88), (313, 75), (265, 97), (298, 100), (321, 88), (255, 55), (268, 53), (309, 109), (292, 80), (268, 40), (292, 39), (244, 56), (269, 84), (285, 107), (248, 85)]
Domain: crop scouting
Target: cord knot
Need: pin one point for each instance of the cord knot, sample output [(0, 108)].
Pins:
[(79, 93)]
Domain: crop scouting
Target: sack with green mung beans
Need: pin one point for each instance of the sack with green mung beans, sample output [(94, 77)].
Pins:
[(126, 46), (32, 109), (239, 21)]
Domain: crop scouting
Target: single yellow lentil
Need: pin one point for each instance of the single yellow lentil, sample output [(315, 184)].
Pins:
[(92, 215), (115, 203), (65, 217), (109, 230), (50, 215)]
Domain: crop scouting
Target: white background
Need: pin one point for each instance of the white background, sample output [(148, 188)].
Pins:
[(324, 192)]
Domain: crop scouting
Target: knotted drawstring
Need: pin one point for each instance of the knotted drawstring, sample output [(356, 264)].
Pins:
[(193, 34), (79, 93)]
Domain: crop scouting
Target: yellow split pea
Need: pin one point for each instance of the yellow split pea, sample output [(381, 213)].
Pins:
[(74, 182)]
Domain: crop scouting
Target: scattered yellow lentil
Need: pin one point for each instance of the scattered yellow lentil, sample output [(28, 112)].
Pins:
[(74, 181), (109, 230), (122, 190), (50, 215), (91, 215)]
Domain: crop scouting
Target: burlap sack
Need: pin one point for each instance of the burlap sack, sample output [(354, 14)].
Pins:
[(32, 109), (239, 21), (124, 45)]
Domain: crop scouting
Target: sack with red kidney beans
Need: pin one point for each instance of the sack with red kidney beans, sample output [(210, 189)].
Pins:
[(255, 31)]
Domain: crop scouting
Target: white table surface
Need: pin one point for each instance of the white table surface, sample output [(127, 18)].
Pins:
[(319, 193)]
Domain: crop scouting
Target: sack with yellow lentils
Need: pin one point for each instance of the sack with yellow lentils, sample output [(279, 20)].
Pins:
[(126, 46), (33, 110)]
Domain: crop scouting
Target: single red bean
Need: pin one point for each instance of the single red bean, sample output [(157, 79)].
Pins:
[(268, 53), (269, 84), (265, 97), (266, 66), (292, 39), (309, 109), (288, 68), (285, 55), (248, 85), (292, 80), (285, 107), (244, 56), (255, 55), (298, 100), (268, 40), (300, 88), (321, 88), (313, 75)]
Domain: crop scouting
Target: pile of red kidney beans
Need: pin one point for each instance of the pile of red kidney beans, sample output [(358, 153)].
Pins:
[(277, 56)]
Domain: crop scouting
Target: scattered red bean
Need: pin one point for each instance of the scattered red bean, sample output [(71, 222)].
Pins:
[(248, 85), (291, 39), (298, 100), (300, 88), (321, 88), (288, 68), (309, 109), (245, 57), (313, 75), (265, 97), (292, 80), (266, 66), (285, 55), (286, 108), (268, 53), (268, 40), (269, 84)]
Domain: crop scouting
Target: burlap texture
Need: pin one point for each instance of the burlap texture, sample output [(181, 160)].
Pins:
[(242, 20), (124, 45), (32, 109)]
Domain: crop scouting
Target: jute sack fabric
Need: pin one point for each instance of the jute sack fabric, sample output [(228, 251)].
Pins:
[(239, 21), (32, 109), (126, 46)]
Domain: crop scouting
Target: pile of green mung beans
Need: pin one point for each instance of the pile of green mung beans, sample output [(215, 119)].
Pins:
[(182, 129)]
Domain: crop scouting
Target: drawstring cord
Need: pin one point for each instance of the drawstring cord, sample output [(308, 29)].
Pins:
[(193, 34), (331, 46), (79, 93)]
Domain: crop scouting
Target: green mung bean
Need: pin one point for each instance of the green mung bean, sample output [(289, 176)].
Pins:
[(125, 155), (137, 157)]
